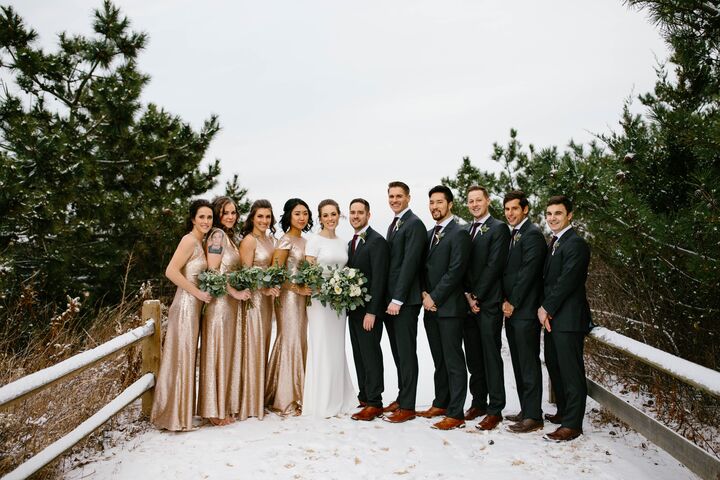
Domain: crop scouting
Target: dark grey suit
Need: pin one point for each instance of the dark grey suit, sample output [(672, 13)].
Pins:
[(482, 331), (443, 280), (522, 285), (565, 300), (371, 257), (407, 253)]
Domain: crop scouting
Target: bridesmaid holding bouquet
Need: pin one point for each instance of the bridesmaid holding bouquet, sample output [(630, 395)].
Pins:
[(174, 398), (252, 339), (286, 370)]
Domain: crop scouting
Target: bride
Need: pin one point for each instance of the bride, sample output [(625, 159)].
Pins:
[(328, 388)]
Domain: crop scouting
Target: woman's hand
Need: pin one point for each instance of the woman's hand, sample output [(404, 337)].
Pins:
[(301, 290), (271, 292), (241, 295), (204, 297)]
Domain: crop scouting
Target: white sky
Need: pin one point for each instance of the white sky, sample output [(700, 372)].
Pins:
[(332, 98)]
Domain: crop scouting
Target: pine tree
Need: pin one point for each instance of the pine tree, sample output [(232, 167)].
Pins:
[(91, 179)]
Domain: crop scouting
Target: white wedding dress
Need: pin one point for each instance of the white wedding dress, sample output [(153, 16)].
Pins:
[(328, 389)]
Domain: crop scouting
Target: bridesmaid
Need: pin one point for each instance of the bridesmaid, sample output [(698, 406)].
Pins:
[(286, 370), (252, 341), (220, 319), (174, 398)]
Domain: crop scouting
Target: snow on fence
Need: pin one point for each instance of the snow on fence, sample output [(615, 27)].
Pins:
[(699, 461), (22, 388)]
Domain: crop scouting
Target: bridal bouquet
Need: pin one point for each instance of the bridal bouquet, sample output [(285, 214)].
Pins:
[(345, 289), (213, 282), (273, 276), (247, 278), (310, 275)]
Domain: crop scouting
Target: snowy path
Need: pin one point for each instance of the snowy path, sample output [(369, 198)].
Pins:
[(305, 448)]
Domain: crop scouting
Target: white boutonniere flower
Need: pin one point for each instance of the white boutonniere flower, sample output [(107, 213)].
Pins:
[(516, 239), (398, 224), (555, 247), (439, 236), (363, 236), (484, 229)]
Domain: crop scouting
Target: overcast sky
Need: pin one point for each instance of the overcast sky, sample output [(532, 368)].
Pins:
[(332, 98)]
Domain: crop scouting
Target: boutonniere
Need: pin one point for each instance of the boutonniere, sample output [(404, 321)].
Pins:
[(484, 229), (363, 236), (398, 224), (439, 236), (516, 239), (555, 247)]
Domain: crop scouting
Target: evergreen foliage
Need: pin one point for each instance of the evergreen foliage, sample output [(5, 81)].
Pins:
[(648, 195), (94, 185)]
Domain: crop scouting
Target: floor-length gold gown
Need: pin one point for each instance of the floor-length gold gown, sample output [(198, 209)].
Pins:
[(217, 342), (286, 370), (174, 398), (252, 342)]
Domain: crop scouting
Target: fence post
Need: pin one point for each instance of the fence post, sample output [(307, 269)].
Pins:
[(151, 351)]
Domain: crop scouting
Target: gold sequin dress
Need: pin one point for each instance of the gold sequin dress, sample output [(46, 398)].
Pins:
[(174, 398), (217, 343), (286, 370), (252, 343)]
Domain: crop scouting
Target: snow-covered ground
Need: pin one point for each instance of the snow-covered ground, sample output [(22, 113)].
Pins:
[(306, 448)]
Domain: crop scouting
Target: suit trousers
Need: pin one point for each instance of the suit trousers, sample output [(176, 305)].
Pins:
[(475, 363), (367, 355), (566, 367), (445, 338), (523, 336), (402, 333), (489, 323)]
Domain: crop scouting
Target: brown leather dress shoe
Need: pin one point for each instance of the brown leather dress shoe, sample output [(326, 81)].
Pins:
[(489, 422), (563, 434), (473, 412), (449, 423), (556, 419), (392, 407), (400, 415), (526, 426), (518, 417), (432, 412), (368, 413)]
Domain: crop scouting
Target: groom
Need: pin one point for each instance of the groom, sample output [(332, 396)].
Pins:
[(369, 252)]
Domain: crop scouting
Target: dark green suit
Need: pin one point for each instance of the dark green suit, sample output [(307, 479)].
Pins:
[(371, 257), (566, 302), (407, 253), (488, 253), (522, 286), (443, 276)]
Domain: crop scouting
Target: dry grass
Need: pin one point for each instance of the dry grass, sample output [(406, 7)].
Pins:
[(27, 428)]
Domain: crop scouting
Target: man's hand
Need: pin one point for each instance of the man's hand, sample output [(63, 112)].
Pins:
[(369, 321), (393, 309), (428, 302), (507, 309), (472, 302), (544, 318)]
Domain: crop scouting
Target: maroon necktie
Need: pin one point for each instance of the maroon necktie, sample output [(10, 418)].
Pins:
[(352, 247), (474, 229), (392, 226), (552, 244)]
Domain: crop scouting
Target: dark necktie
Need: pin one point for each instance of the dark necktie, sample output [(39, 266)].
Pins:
[(392, 226), (552, 244), (436, 235), (474, 229), (512, 237), (352, 245)]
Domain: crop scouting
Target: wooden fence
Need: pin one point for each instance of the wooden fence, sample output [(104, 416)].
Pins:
[(21, 389)]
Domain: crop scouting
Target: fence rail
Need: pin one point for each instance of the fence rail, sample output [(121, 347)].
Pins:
[(23, 388), (699, 461)]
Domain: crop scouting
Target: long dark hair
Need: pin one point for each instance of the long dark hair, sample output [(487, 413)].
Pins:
[(287, 214), (218, 205), (325, 203), (192, 211), (257, 205)]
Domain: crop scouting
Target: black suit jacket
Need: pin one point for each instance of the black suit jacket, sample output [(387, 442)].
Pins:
[(444, 271), (488, 254), (565, 274), (407, 252), (371, 257), (523, 274)]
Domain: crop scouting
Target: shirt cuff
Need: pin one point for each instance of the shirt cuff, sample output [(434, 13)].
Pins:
[(396, 302)]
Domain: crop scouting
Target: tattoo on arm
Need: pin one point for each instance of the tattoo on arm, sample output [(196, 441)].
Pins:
[(215, 249)]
